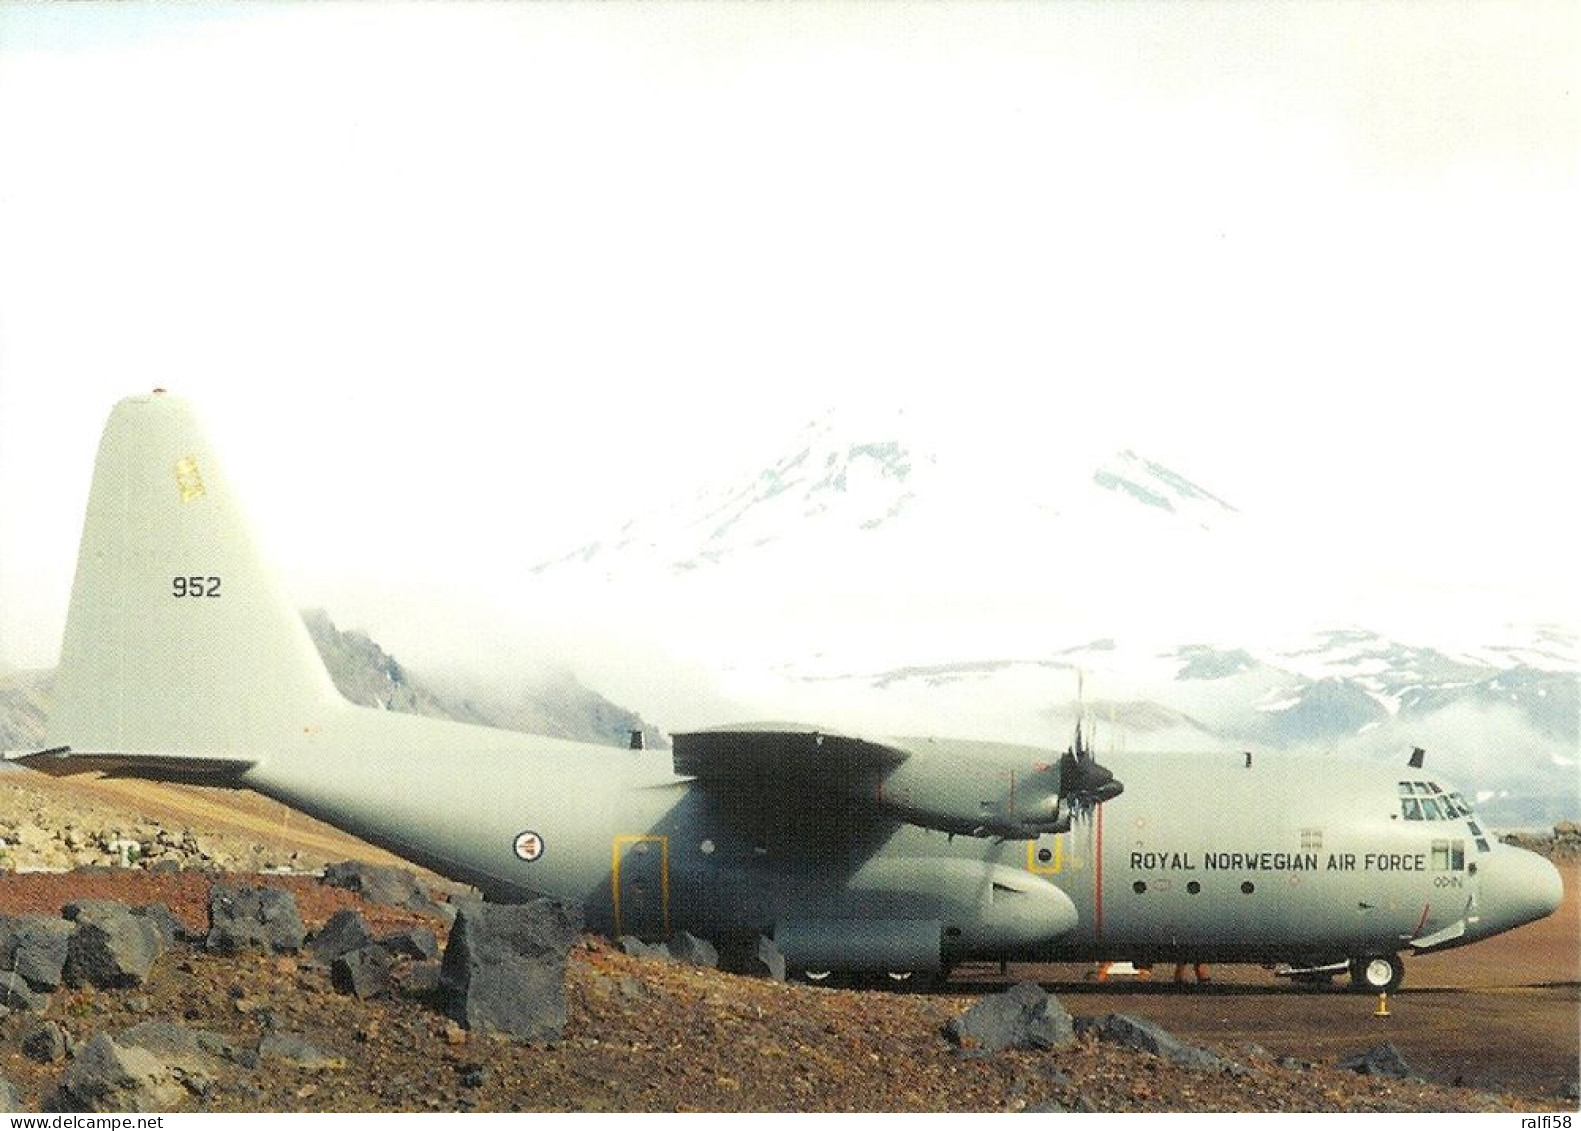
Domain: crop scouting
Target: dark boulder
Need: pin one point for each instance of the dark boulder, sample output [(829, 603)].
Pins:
[(420, 980), (35, 947), (45, 1042), (687, 948), (756, 957), (195, 1058), (1142, 1035), (247, 918), (415, 942), (111, 948), (393, 887), (345, 931), (504, 967), (1380, 1060), (1023, 1017), (364, 973), (636, 948), (170, 929), (106, 1077), (15, 993)]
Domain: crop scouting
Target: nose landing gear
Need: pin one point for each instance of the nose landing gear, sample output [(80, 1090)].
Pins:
[(1376, 973)]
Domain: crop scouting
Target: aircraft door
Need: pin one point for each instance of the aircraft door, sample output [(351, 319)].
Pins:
[(640, 886)]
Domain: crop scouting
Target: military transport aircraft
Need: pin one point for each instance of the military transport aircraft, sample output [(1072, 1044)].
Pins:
[(183, 660)]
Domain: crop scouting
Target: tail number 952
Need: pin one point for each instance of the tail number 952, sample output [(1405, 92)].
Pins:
[(194, 587)]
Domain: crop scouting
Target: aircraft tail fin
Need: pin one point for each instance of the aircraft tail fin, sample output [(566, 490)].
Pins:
[(180, 645)]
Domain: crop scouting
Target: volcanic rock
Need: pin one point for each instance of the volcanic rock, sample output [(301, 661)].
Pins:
[(415, 942), (15, 993), (106, 1077), (630, 944), (757, 957), (393, 887), (242, 918), (45, 1042), (687, 948), (1025, 1016), (1144, 1036), (364, 972), (194, 1057), (1380, 1060), (345, 931), (111, 947), (504, 967), (35, 947)]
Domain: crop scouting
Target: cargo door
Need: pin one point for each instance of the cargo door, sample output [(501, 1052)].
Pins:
[(640, 886)]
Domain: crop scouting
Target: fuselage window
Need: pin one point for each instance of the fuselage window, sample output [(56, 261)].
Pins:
[(1449, 855), (1412, 808), (1482, 845), (1430, 809)]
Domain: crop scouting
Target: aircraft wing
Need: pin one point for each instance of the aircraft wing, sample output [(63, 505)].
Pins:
[(955, 786), (771, 752)]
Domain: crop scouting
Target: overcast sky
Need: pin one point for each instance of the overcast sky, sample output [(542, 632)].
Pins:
[(451, 281)]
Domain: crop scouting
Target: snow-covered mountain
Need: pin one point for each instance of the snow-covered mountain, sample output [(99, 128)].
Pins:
[(875, 581), (860, 495)]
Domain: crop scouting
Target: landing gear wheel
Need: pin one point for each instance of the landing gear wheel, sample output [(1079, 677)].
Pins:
[(1376, 973), (899, 979), (817, 977)]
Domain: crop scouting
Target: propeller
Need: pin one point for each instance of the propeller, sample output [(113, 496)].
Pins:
[(1083, 783)]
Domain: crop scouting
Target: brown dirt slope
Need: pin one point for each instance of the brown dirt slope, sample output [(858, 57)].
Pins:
[(647, 1036)]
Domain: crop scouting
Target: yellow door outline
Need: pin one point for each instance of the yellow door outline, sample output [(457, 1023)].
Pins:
[(664, 876), (1055, 865)]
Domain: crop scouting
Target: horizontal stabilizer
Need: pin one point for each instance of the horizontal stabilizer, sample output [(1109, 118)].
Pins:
[(779, 752), (62, 761)]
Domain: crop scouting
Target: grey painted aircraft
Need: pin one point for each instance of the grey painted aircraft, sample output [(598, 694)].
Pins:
[(183, 660)]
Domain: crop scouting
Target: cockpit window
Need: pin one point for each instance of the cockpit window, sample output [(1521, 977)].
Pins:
[(1425, 801)]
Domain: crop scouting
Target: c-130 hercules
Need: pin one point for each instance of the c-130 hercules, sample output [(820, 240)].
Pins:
[(184, 661)]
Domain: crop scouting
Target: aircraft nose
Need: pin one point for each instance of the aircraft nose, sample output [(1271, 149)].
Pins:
[(1518, 887)]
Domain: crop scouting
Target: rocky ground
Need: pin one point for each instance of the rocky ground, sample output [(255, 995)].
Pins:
[(271, 1032), (1562, 843), (641, 1035)]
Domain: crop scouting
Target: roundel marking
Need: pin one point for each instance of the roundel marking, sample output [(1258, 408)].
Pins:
[(529, 846)]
